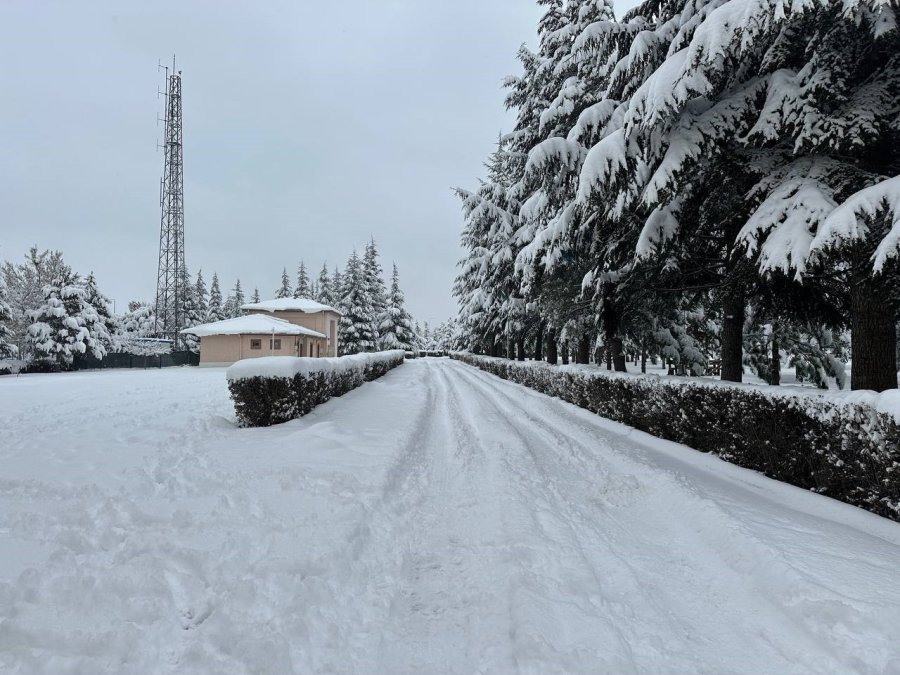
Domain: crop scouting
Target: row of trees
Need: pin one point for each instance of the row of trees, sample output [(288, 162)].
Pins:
[(49, 313), (698, 179), (374, 317)]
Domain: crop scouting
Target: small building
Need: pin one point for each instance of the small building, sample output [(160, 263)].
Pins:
[(252, 335), (306, 313)]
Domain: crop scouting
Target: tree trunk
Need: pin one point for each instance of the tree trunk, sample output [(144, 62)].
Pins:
[(539, 343), (873, 335), (643, 357), (552, 351), (608, 356), (565, 352), (520, 348), (733, 335), (775, 376), (618, 356), (584, 349)]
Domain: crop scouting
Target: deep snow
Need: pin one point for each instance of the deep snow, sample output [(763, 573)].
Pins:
[(435, 520)]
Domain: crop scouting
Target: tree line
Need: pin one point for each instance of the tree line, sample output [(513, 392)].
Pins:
[(714, 182), (53, 316)]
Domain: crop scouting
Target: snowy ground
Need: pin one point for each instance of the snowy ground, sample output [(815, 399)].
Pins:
[(436, 520)]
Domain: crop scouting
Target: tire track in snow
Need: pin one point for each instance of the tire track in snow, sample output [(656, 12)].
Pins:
[(751, 568)]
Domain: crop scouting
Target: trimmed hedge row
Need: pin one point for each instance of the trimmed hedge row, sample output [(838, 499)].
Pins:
[(276, 389), (844, 449)]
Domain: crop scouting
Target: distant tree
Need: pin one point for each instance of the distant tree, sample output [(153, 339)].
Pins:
[(285, 290), (201, 297), (65, 326), (100, 303), (302, 290), (190, 314), (232, 306), (25, 283), (7, 349), (255, 297), (374, 282), (357, 332), (395, 330), (323, 287), (216, 310), (238, 294), (337, 286)]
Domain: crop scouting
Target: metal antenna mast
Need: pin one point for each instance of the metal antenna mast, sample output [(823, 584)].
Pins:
[(172, 272)]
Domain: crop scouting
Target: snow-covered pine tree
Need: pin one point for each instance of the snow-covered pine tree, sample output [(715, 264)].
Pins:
[(285, 290), (190, 314), (25, 283), (65, 326), (215, 310), (357, 333), (8, 350), (324, 293), (101, 305), (396, 331), (237, 299), (337, 287), (374, 279), (255, 297), (302, 290), (201, 297)]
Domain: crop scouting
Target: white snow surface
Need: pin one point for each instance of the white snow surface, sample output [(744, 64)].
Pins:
[(290, 304), (288, 366), (251, 324), (436, 520)]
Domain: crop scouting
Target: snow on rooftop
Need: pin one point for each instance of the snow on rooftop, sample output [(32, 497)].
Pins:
[(251, 324), (290, 305)]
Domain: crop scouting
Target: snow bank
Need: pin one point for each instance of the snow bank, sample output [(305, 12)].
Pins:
[(846, 446), (275, 389)]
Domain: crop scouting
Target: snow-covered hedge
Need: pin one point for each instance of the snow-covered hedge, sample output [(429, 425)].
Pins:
[(275, 389), (846, 447)]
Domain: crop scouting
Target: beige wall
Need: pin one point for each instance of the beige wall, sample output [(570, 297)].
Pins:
[(226, 349), (319, 321)]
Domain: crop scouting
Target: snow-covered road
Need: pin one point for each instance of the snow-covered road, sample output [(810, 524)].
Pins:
[(436, 520)]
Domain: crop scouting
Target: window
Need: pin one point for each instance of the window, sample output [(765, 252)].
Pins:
[(276, 344), (255, 344)]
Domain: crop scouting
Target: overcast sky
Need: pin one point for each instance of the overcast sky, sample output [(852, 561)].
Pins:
[(309, 127)]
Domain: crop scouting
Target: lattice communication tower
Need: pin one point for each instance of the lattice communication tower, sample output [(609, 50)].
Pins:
[(171, 279)]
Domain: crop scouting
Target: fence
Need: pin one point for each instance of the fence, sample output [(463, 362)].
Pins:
[(123, 360)]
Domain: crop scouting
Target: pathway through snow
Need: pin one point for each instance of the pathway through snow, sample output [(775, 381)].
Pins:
[(436, 520)]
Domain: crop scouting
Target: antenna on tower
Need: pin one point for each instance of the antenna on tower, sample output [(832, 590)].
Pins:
[(171, 278)]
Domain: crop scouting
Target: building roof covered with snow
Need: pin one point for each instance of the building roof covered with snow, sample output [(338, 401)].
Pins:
[(251, 324), (304, 305)]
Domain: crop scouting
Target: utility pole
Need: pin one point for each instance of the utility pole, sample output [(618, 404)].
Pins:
[(172, 272)]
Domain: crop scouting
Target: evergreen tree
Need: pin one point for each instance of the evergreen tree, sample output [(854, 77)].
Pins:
[(216, 309), (65, 326), (190, 314), (324, 292), (396, 331), (201, 298), (302, 290), (7, 349), (25, 283), (100, 303), (237, 293), (374, 280), (337, 287), (357, 332), (255, 298), (285, 290)]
